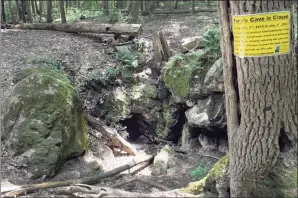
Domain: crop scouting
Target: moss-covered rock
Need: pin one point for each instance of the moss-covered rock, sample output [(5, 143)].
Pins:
[(165, 121), (43, 121), (207, 184), (181, 71), (280, 181)]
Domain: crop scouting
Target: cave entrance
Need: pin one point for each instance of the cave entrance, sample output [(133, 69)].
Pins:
[(136, 126), (175, 132)]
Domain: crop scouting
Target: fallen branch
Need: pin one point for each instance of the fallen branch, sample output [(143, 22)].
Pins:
[(114, 138), (214, 157), (20, 190)]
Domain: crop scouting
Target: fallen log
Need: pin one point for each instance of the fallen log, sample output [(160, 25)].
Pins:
[(185, 11), (114, 138), (133, 30), (20, 190)]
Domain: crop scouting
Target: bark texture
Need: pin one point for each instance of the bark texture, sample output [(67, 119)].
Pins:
[(267, 103)]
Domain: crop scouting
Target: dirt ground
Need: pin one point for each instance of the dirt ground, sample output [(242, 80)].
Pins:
[(81, 55)]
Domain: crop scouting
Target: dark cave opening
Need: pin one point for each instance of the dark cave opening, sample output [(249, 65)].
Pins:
[(175, 132), (136, 126)]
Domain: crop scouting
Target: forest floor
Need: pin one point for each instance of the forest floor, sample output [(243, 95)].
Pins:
[(81, 55)]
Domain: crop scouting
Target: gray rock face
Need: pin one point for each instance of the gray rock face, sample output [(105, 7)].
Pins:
[(43, 122), (214, 81), (163, 161), (190, 43), (208, 113)]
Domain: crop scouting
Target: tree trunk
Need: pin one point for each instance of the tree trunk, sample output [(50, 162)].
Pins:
[(3, 11), (267, 102), (28, 9), (40, 9), (106, 7), (62, 11), (193, 5), (135, 11), (36, 7), (176, 4), (22, 10), (33, 7), (49, 11), (161, 50), (13, 18)]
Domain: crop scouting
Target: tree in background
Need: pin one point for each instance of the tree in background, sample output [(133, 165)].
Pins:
[(135, 11), (62, 11), (106, 7), (267, 102)]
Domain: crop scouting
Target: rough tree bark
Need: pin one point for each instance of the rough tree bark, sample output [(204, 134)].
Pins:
[(267, 99), (62, 11), (49, 11)]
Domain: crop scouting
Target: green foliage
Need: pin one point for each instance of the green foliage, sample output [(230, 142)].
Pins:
[(54, 64), (211, 44), (129, 61), (74, 14), (200, 172)]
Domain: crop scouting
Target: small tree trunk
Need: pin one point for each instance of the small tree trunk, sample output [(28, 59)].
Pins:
[(106, 7), (28, 8), (3, 11), (49, 11), (33, 7), (62, 11), (40, 9), (36, 7), (13, 18), (193, 5), (176, 4), (135, 11)]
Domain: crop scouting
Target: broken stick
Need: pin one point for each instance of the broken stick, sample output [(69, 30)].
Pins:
[(20, 190), (114, 138)]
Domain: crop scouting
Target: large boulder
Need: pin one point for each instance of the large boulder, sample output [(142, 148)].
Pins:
[(43, 122), (208, 113)]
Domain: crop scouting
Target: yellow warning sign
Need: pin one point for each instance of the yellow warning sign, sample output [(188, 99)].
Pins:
[(265, 34)]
